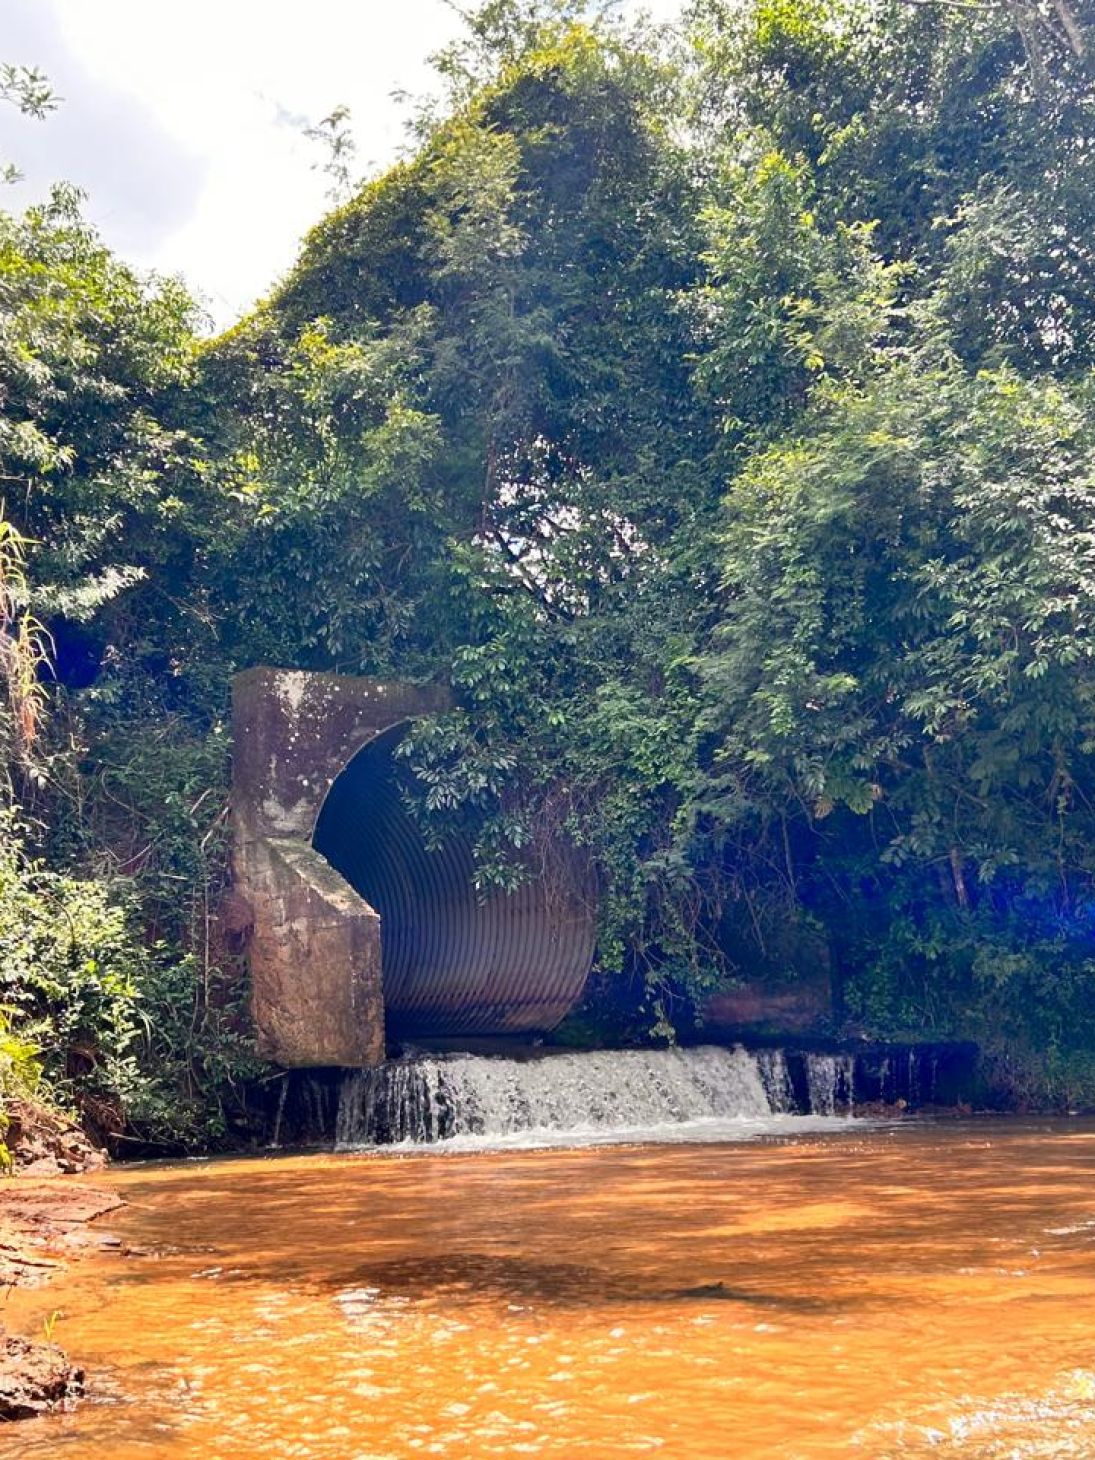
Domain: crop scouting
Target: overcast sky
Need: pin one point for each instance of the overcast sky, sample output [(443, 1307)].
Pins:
[(182, 119)]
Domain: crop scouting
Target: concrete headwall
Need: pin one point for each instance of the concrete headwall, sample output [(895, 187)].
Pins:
[(314, 947), (400, 938)]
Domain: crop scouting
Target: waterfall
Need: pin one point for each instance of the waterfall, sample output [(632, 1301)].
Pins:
[(592, 1095), (776, 1077), (831, 1080)]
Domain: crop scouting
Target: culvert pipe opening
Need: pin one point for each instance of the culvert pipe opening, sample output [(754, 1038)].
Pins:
[(515, 963)]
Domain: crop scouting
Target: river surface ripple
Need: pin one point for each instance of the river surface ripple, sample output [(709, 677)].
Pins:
[(917, 1290)]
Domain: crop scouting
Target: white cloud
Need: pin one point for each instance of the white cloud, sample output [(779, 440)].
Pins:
[(178, 119)]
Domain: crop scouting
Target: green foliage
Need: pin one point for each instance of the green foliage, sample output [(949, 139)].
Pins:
[(85, 349), (20, 1074), (30, 92), (459, 444), (71, 969), (334, 135), (24, 653), (27, 89), (747, 507), (900, 690), (110, 1022), (120, 766)]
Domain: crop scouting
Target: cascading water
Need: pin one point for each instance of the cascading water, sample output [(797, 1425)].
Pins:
[(772, 1064), (831, 1081), (707, 1092)]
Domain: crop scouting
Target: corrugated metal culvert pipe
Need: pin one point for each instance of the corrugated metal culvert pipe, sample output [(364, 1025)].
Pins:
[(515, 963)]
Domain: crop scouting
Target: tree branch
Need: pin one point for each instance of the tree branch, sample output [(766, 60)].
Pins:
[(950, 4), (1072, 28)]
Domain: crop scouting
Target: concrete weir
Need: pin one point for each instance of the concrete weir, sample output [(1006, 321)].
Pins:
[(356, 930)]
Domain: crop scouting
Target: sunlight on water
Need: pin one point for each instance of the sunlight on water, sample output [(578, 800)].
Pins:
[(701, 1131), (910, 1290)]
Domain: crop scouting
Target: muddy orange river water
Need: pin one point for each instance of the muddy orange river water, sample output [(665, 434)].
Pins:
[(915, 1290)]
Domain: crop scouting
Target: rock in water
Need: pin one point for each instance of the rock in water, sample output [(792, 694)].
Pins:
[(35, 1378)]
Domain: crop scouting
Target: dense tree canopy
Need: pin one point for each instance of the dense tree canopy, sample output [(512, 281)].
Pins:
[(713, 411)]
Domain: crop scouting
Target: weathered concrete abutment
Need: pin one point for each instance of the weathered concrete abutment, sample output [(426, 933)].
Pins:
[(357, 930)]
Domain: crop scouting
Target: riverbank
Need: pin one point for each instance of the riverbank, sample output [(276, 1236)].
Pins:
[(45, 1226), (46, 1213)]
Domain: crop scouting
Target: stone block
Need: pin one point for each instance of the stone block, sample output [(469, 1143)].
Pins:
[(315, 953)]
